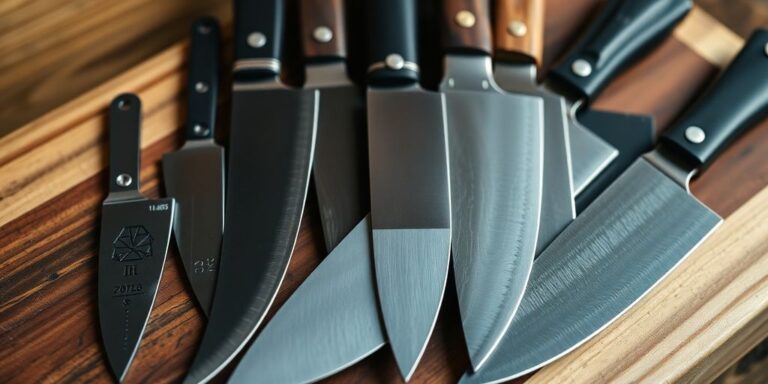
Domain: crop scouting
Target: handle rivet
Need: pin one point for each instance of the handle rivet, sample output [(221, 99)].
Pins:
[(766, 49), (203, 29), (200, 130), (517, 28), (394, 61), (201, 87), (695, 135), (322, 34), (257, 40), (124, 105), (581, 68), (124, 180), (465, 19)]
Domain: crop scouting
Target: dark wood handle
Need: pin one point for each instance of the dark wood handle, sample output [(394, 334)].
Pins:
[(467, 26), (323, 29), (520, 30)]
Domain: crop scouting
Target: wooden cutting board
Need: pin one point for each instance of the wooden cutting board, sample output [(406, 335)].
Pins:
[(53, 180)]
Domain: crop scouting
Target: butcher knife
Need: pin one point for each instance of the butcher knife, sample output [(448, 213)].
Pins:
[(495, 141), (340, 169), (194, 175), (635, 233), (135, 233), (410, 196), (271, 146)]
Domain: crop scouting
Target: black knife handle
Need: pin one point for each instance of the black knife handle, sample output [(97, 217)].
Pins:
[(203, 79), (467, 26), (258, 37), (392, 48), (738, 100), (623, 31), (124, 143), (323, 36)]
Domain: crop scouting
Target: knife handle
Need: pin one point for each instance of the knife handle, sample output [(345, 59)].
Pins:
[(124, 143), (203, 79), (323, 30), (520, 31), (258, 38), (467, 26), (738, 100), (623, 31), (392, 49)]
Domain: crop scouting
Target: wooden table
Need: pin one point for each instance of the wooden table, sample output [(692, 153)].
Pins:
[(708, 313)]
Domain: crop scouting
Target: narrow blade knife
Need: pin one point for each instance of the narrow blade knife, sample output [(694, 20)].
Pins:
[(194, 175), (135, 233), (635, 233)]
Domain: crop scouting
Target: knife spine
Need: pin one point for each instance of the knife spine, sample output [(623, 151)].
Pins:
[(203, 79), (124, 147)]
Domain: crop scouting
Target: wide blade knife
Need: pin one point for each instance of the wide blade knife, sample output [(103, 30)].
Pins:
[(410, 197), (135, 232), (635, 233), (495, 141), (194, 175), (272, 139), (340, 169)]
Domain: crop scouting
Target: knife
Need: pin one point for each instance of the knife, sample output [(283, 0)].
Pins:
[(135, 233), (194, 174), (636, 232), (340, 166), (495, 141), (270, 157), (410, 196)]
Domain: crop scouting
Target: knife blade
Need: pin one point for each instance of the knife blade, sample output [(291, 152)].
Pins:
[(340, 169), (135, 233), (410, 196), (495, 141), (270, 157), (194, 175), (636, 232)]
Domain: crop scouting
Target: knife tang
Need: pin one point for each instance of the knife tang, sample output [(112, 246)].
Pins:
[(392, 54), (124, 145), (520, 31), (623, 31), (258, 38), (203, 79), (467, 27), (323, 31)]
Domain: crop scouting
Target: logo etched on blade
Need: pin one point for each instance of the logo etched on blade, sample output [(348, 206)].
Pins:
[(133, 243)]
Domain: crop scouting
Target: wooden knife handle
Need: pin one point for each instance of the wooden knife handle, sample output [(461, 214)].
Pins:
[(520, 30), (124, 143), (467, 26), (323, 30)]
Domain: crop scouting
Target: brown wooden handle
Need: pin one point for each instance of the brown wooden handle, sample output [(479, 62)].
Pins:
[(323, 29), (520, 30), (467, 26)]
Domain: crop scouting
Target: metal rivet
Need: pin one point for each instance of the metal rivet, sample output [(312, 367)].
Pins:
[(124, 105), (517, 28), (257, 40), (465, 19), (695, 135), (124, 180), (485, 84), (581, 68), (766, 49), (200, 130), (322, 34), (201, 87), (394, 61), (203, 29)]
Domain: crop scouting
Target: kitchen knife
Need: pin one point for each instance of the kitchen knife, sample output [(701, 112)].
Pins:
[(135, 232), (340, 166), (270, 156), (495, 141), (635, 233), (410, 196), (194, 175)]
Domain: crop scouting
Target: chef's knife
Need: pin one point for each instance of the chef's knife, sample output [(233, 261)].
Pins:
[(635, 233), (270, 157), (340, 168), (135, 232), (194, 175), (410, 197), (495, 141)]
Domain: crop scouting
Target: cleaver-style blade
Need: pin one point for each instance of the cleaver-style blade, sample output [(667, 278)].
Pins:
[(194, 175), (635, 233), (495, 141), (270, 157), (410, 196), (135, 233)]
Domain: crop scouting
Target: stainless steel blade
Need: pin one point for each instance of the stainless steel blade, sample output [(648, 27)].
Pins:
[(410, 213), (270, 156), (194, 175), (619, 248), (329, 323)]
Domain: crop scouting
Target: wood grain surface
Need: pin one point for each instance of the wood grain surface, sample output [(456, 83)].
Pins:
[(328, 14), (519, 29), (54, 180)]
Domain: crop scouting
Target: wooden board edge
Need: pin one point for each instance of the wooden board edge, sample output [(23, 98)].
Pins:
[(709, 38)]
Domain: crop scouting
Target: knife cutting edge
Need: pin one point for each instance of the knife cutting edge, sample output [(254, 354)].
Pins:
[(636, 232), (271, 148), (194, 174), (135, 233)]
